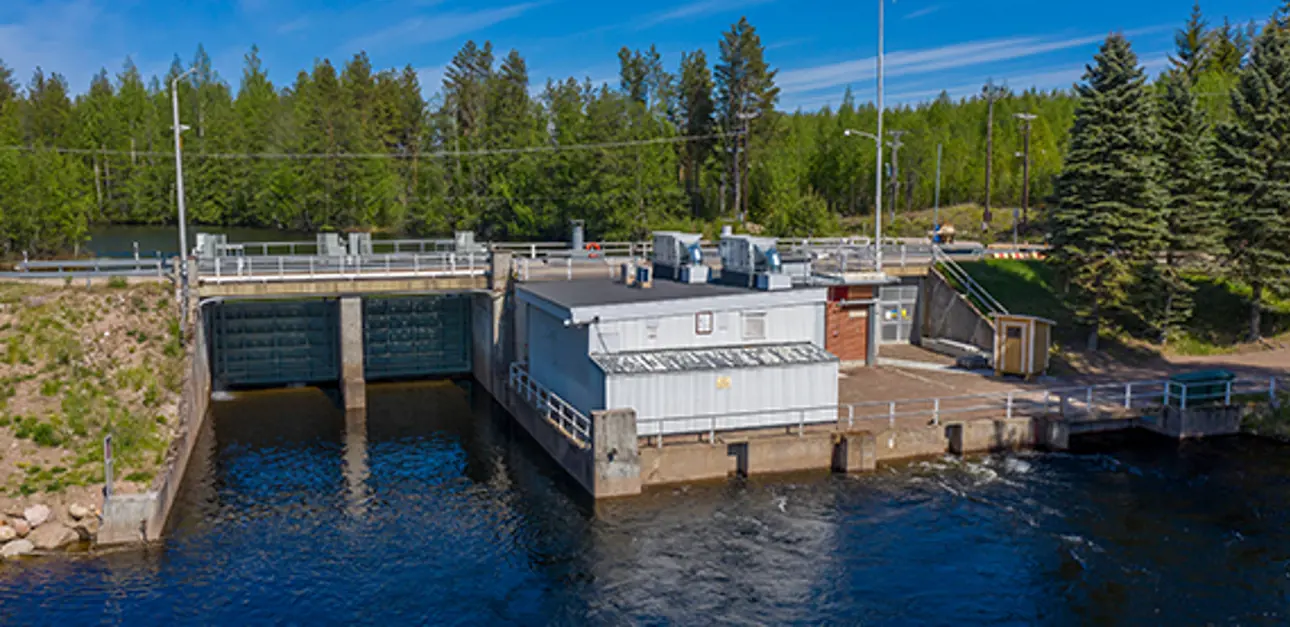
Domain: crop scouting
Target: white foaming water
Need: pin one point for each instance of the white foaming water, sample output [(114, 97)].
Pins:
[(1017, 466)]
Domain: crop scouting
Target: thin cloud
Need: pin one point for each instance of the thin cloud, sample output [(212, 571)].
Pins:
[(434, 28), (697, 9), (295, 25), (912, 62), (925, 11)]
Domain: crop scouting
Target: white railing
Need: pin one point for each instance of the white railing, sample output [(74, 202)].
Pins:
[(307, 268), (1094, 402), (553, 408)]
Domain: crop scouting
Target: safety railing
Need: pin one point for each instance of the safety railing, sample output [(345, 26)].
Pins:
[(977, 294), (553, 408), (1083, 403), (309, 268), (98, 267)]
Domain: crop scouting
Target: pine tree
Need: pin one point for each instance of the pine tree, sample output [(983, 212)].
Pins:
[(695, 109), (1192, 45), (1256, 170), (745, 87), (1109, 219), (1192, 211)]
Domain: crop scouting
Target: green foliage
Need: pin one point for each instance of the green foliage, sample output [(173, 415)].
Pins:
[(1254, 172), (1109, 222), (117, 283)]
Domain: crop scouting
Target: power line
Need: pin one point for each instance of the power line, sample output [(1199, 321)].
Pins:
[(441, 154)]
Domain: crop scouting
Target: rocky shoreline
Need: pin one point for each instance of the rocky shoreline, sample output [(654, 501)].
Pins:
[(39, 529)]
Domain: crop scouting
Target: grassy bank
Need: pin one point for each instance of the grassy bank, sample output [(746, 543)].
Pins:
[(1218, 325), (75, 365), (1270, 422), (965, 218)]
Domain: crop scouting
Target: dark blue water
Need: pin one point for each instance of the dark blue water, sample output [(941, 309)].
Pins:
[(435, 511)]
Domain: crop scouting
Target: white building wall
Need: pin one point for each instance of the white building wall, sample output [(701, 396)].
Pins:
[(742, 398), (783, 325), (558, 359)]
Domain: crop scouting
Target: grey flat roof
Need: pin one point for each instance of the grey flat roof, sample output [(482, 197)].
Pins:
[(590, 292), (717, 358)]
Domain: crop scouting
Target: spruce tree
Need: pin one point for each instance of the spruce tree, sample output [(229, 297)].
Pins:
[(1256, 170), (745, 87), (1192, 211), (1192, 45), (1109, 222), (695, 108)]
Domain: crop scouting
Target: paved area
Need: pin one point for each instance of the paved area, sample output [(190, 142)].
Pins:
[(909, 352)]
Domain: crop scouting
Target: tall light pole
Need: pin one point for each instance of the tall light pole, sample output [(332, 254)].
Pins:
[(877, 172), (895, 144), (179, 194)]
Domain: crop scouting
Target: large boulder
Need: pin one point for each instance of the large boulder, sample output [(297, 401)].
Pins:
[(7, 533), (77, 511), (52, 536), (36, 515), (16, 548)]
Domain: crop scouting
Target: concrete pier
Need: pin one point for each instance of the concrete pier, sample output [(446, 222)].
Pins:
[(353, 386), (855, 452), (617, 467), (356, 467)]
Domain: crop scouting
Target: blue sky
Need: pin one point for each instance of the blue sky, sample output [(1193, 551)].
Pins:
[(819, 47)]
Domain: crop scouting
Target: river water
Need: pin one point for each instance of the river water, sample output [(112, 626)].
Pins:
[(440, 512)]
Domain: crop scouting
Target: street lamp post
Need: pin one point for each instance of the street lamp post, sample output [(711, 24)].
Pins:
[(179, 195), (877, 177)]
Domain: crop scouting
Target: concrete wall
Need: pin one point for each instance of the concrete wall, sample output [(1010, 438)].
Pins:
[(948, 314), (784, 325), (1198, 422), (130, 518)]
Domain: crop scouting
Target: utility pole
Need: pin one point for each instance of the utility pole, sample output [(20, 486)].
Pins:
[(877, 173), (936, 204), (992, 92), (896, 143), (741, 167), (179, 193), (1026, 119)]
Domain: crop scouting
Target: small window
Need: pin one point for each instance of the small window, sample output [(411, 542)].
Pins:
[(1014, 332), (754, 324), (703, 323)]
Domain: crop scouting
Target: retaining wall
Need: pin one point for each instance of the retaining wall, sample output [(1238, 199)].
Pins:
[(948, 314), (129, 518)]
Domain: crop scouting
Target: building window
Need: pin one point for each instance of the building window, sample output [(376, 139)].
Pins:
[(703, 323), (754, 325)]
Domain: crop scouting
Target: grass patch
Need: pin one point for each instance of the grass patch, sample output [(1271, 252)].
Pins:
[(118, 283), (1218, 324)]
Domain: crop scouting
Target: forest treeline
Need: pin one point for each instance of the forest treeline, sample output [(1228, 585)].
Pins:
[(351, 146)]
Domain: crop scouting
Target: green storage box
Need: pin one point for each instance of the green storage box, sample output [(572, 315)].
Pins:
[(1203, 387)]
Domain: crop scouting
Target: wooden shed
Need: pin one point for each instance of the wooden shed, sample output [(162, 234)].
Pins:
[(1021, 344)]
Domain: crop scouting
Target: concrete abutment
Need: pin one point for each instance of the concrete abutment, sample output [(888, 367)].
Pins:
[(353, 385)]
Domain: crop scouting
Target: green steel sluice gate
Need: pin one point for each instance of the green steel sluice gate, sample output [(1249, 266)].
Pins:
[(286, 342)]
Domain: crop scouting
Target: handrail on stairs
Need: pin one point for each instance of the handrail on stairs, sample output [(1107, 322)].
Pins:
[(974, 289)]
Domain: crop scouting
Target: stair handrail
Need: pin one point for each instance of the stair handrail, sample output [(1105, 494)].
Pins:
[(973, 288)]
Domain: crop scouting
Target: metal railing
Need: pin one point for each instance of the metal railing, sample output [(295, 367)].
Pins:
[(979, 295), (553, 408), (306, 268), (1082, 403), (98, 267)]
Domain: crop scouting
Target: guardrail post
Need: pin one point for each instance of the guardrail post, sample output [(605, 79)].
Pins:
[(1227, 394), (891, 414), (936, 411), (217, 268), (712, 429), (416, 263), (452, 261), (1046, 399), (1009, 404), (801, 422), (903, 256), (1182, 401), (568, 264), (280, 272), (387, 264), (311, 267), (1165, 402), (1128, 396), (1088, 401), (851, 416), (1061, 411)]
